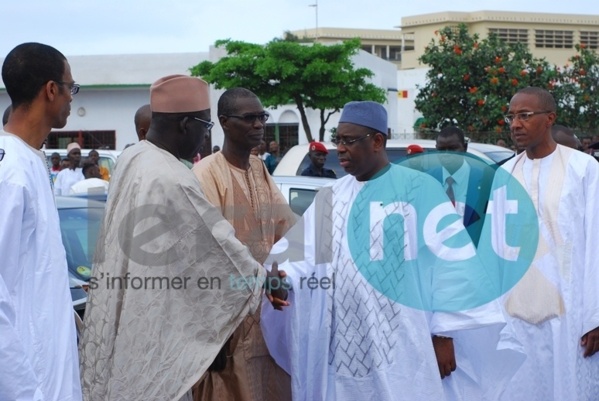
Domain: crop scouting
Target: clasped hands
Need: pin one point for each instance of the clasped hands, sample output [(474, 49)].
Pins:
[(276, 287)]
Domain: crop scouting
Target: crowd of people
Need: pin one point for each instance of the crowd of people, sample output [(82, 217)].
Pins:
[(400, 282)]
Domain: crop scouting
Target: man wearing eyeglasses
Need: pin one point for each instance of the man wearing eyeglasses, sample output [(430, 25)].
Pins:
[(366, 319), (38, 345), (240, 186), (554, 308), (160, 306)]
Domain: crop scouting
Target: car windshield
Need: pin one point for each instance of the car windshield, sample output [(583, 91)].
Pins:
[(80, 228), (500, 155)]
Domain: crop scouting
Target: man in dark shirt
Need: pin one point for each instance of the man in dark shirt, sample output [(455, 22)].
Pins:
[(318, 156)]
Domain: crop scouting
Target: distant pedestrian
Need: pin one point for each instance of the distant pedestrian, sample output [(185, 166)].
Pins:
[(317, 153), (502, 143), (54, 166), (565, 136), (93, 184), (94, 156), (273, 159), (72, 175), (262, 150), (466, 183)]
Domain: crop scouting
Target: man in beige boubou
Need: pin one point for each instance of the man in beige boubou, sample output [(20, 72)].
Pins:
[(239, 184), (160, 305)]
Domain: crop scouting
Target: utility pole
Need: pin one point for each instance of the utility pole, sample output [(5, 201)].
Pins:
[(315, 5)]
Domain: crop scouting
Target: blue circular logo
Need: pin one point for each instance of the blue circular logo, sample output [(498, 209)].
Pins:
[(421, 249)]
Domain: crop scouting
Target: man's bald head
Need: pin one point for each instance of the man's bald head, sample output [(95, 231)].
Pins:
[(143, 117), (565, 136)]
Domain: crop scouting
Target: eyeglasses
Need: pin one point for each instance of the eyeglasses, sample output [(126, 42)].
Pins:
[(250, 118), (345, 141), (524, 116), (207, 124), (2, 153), (73, 87)]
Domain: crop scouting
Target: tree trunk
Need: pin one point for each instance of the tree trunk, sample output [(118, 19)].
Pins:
[(302, 111), (323, 121)]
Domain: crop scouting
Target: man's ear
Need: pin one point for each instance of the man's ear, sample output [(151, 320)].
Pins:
[(222, 120), (379, 141), (183, 125), (552, 117), (50, 90)]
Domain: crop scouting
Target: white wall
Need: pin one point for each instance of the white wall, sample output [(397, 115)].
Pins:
[(407, 81), (113, 87)]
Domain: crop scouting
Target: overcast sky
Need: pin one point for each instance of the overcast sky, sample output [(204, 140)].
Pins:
[(82, 27)]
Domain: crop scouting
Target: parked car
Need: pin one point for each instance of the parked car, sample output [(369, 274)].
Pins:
[(107, 157), (296, 159), (80, 221), (300, 191), (493, 152)]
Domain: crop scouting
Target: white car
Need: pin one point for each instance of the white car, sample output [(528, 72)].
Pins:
[(296, 159), (300, 191)]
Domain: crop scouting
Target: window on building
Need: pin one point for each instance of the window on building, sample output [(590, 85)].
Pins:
[(287, 134), (380, 51), (367, 48), (395, 53), (88, 139), (554, 39), (511, 35), (590, 39)]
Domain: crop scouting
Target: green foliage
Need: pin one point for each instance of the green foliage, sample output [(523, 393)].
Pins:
[(285, 71), (576, 92), (471, 82)]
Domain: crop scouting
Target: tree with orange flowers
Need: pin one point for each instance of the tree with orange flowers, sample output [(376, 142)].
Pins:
[(577, 92), (471, 81)]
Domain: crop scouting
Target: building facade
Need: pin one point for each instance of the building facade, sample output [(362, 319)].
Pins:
[(113, 87), (384, 43), (549, 36)]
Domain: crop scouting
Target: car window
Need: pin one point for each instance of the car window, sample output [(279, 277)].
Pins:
[(499, 156), (79, 228), (300, 199)]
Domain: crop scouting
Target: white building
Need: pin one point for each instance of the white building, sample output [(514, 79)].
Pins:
[(113, 87)]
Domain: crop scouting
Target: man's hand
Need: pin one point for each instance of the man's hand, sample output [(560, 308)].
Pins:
[(276, 287), (590, 342), (445, 355)]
